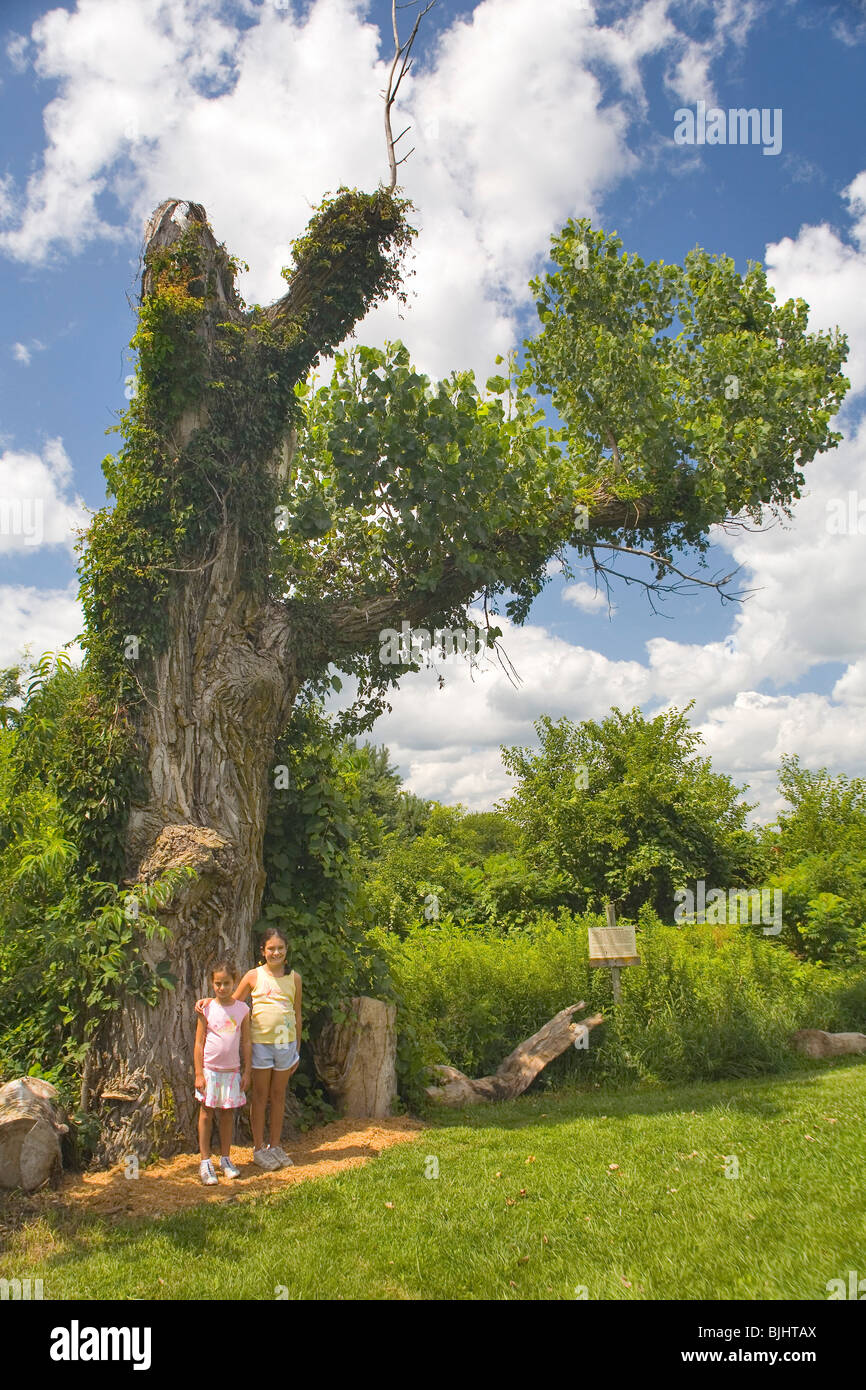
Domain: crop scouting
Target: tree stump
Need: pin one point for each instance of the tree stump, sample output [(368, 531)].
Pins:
[(30, 1130), (357, 1059), (520, 1067)]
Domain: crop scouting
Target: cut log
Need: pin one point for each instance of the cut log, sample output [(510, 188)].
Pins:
[(520, 1067), (815, 1043), (30, 1130), (357, 1060)]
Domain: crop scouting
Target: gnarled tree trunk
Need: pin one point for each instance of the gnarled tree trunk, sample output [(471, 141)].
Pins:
[(217, 696), (224, 687), (813, 1042)]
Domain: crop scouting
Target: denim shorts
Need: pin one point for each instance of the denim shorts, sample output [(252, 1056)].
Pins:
[(267, 1056)]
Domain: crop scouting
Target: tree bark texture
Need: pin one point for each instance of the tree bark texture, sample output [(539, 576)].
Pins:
[(224, 690), (520, 1067)]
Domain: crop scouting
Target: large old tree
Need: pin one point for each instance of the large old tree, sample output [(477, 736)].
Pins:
[(264, 533)]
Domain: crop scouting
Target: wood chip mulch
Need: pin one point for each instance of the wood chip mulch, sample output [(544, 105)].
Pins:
[(172, 1185)]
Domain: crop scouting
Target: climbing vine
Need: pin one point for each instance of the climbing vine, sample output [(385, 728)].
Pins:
[(218, 389)]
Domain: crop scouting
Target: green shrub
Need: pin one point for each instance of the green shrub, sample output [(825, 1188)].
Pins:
[(706, 1002)]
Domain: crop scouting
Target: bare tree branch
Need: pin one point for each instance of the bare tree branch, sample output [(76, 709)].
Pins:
[(402, 60), (655, 586)]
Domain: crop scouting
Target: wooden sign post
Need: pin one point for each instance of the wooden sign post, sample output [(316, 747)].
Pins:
[(613, 947)]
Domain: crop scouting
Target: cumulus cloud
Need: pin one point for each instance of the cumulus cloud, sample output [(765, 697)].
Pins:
[(829, 272), (447, 739), (257, 119), (36, 505), (588, 599), (38, 620)]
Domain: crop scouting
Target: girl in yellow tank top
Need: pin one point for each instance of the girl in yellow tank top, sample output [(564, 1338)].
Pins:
[(275, 1033), (273, 1007)]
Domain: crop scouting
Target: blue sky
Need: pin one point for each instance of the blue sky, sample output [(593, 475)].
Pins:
[(524, 115)]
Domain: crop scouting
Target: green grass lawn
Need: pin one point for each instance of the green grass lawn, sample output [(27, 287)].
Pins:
[(623, 1195)]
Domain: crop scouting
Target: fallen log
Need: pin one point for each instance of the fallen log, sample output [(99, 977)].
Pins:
[(30, 1130), (815, 1043), (520, 1067), (357, 1060)]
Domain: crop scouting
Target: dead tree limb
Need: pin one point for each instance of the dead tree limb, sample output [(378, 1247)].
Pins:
[(814, 1042), (403, 62), (520, 1067)]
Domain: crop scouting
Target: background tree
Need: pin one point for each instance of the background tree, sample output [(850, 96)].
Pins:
[(627, 812), (464, 869), (380, 805), (820, 848)]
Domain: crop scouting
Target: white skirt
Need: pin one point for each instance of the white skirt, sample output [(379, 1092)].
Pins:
[(222, 1090)]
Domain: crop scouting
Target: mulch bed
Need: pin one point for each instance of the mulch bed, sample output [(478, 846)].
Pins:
[(172, 1185)]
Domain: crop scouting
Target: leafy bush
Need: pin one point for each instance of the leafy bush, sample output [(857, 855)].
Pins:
[(70, 943), (463, 868), (706, 1002), (820, 843), (311, 892)]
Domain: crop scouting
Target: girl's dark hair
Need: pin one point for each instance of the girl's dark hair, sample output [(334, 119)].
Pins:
[(225, 964), (268, 935)]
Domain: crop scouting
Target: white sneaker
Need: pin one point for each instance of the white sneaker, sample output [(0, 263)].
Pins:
[(281, 1156), (264, 1158), (229, 1169), (208, 1176)]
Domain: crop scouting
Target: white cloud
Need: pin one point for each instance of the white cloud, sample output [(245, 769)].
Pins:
[(850, 689), (749, 737), (36, 507), (589, 599), (690, 77), (24, 353), (830, 274), (447, 739), (39, 619), (160, 98), (16, 51)]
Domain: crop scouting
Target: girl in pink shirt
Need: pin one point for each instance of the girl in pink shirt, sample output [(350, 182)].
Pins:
[(222, 1032)]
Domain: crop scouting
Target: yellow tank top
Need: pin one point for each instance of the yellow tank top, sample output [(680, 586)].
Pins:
[(273, 1008)]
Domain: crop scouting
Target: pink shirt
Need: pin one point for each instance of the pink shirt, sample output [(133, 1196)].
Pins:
[(222, 1044)]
